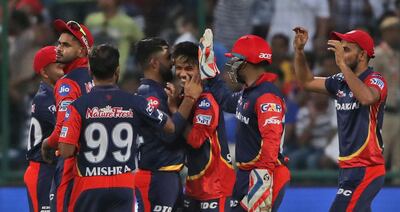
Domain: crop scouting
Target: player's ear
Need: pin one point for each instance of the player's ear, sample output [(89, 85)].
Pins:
[(82, 52), (154, 63), (43, 73)]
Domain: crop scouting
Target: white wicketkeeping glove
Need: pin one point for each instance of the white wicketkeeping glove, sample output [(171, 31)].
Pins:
[(259, 197), (207, 65)]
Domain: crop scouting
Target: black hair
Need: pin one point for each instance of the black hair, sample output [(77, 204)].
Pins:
[(186, 51), (104, 61), (146, 48)]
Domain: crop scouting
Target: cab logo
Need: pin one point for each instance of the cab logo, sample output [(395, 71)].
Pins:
[(204, 104), (203, 119), (271, 107), (64, 89)]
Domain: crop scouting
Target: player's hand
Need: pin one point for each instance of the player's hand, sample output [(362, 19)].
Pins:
[(300, 39), (208, 67), (172, 97), (193, 87), (47, 152), (337, 47)]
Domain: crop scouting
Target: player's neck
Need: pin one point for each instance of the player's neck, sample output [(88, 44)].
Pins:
[(153, 76), (99, 82), (360, 69)]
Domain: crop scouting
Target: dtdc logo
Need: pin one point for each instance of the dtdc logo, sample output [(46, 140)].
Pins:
[(204, 104), (64, 90)]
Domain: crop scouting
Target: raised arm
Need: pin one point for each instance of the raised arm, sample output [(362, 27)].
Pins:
[(303, 72)]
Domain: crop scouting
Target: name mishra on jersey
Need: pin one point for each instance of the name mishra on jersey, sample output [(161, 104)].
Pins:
[(107, 170)]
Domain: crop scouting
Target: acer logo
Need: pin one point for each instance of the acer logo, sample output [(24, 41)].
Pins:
[(265, 55)]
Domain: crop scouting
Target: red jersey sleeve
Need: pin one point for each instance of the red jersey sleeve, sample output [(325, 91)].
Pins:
[(205, 120), (65, 92), (376, 80), (270, 110), (70, 131)]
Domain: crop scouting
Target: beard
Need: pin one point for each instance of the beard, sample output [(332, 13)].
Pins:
[(239, 78), (166, 73), (353, 65)]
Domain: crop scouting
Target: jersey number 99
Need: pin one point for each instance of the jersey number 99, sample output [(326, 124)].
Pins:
[(101, 143)]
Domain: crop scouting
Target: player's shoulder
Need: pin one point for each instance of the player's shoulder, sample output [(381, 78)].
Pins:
[(77, 74), (268, 89), (44, 95), (150, 88)]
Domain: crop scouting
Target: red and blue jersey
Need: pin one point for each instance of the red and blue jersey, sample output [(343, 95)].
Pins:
[(209, 163), (73, 85), (42, 121), (359, 126), (158, 151), (260, 109), (103, 126)]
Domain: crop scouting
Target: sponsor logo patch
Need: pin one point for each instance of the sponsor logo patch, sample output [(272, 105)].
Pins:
[(340, 94), (271, 107), (52, 108), (203, 119), (153, 101), (204, 104), (378, 82), (64, 132), (272, 120), (64, 89), (108, 112), (64, 105)]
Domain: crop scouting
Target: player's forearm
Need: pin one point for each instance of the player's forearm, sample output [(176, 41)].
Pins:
[(302, 71), (360, 91), (66, 150), (55, 135), (186, 106)]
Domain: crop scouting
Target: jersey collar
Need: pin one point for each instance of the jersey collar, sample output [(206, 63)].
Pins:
[(105, 87), (78, 63), (265, 77)]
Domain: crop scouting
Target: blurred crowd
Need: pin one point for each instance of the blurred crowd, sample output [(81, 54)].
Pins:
[(311, 130)]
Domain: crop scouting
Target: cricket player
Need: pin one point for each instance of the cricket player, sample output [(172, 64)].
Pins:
[(360, 95), (100, 129), (39, 174), (211, 176), (262, 175), (74, 44)]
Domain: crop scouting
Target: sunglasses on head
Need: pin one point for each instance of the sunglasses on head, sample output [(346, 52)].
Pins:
[(76, 27)]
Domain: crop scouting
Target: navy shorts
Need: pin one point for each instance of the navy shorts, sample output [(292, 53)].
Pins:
[(158, 191), (37, 179), (358, 187)]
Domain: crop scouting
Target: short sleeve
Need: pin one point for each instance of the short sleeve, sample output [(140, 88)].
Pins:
[(71, 128), (376, 80), (148, 113), (332, 84)]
